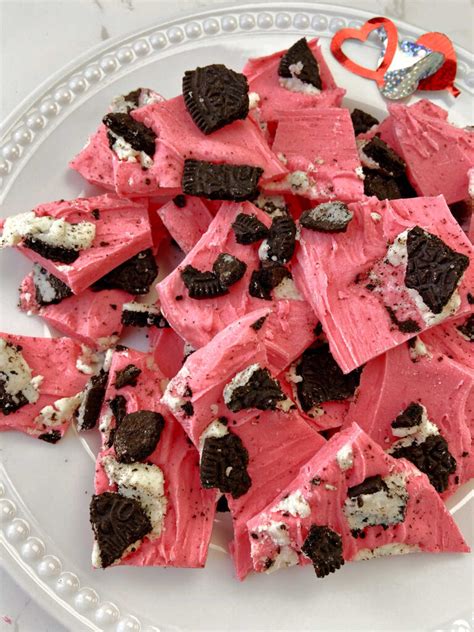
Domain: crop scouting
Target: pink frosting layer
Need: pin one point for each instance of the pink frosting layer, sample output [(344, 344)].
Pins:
[(391, 382), (427, 524), (321, 144), (122, 231), (168, 349), (328, 269), (263, 78), (198, 321), (447, 339), (178, 138), (187, 526), (55, 359), (95, 162), (188, 224), (90, 317)]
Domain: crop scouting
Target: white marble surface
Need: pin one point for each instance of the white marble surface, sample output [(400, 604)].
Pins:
[(38, 37)]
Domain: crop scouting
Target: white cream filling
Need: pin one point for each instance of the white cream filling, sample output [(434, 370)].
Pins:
[(140, 307), (105, 342), (173, 402), (276, 531), (125, 151), (345, 457), (215, 429), (295, 504), (15, 374), (41, 282), (284, 559), (60, 411), (414, 434), (145, 483), (418, 349), (376, 217), (294, 83), (89, 362), (394, 548), (240, 379), (359, 171), (254, 100), (286, 289), (55, 232), (273, 205)]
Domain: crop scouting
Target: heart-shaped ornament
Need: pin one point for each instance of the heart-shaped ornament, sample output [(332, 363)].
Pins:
[(362, 34), (444, 78)]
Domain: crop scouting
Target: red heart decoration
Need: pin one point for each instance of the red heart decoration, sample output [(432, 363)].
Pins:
[(362, 34), (443, 79)]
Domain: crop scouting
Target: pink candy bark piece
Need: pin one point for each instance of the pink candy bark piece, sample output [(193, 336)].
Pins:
[(263, 78), (188, 224), (198, 321), (93, 318), (332, 272), (187, 524), (168, 349), (55, 360), (448, 339), (122, 231), (406, 375), (319, 497)]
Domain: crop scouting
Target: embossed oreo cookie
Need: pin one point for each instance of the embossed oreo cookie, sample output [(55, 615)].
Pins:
[(215, 96), (389, 162), (137, 435), (220, 181), (432, 457), (51, 252), (362, 121), (253, 387), (248, 229), (143, 315), (330, 217), (323, 546), (117, 523), (299, 61), (136, 134), (202, 284), (88, 412), (127, 376), (433, 268), (224, 463), (281, 241), (266, 278), (410, 417), (322, 380), (228, 269), (134, 275), (467, 328), (49, 290)]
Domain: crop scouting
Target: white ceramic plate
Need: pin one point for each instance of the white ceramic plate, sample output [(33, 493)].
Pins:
[(46, 490)]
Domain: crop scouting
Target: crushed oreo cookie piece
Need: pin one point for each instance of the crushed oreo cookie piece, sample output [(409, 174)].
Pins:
[(127, 376), (410, 417), (281, 240), (10, 403), (89, 410), (322, 380), (118, 406), (220, 181), (323, 547), (432, 457), (299, 61), (470, 298), (330, 217), (224, 463), (50, 252), (371, 485), (407, 326), (362, 121), (137, 435), (389, 163), (188, 409), (215, 96), (136, 134), (272, 205), (382, 187), (266, 278), (222, 505), (258, 324), (50, 437), (202, 285), (117, 522), (433, 268), (134, 276), (248, 229), (467, 328), (180, 200), (228, 269), (260, 391), (137, 315), (49, 290)]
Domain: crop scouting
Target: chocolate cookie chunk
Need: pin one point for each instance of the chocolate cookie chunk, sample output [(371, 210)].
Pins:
[(49, 290), (215, 96), (382, 187), (433, 268), (224, 463), (222, 505), (248, 229), (362, 121), (9, 403), (259, 391), (322, 380), (136, 134), (202, 284), (117, 523), (371, 485), (137, 436), (432, 457), (281, 240), (389, 163), (118, 406), (330, 217), (300, 62), (127, 376), (258, 324), (219, 181), (88, 412), (50, 252), (134, 276), (410, 417), (467, 328), (143, 318), (50, 437), (323, 546), (228, 269), (180, 200), (266, 278)]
